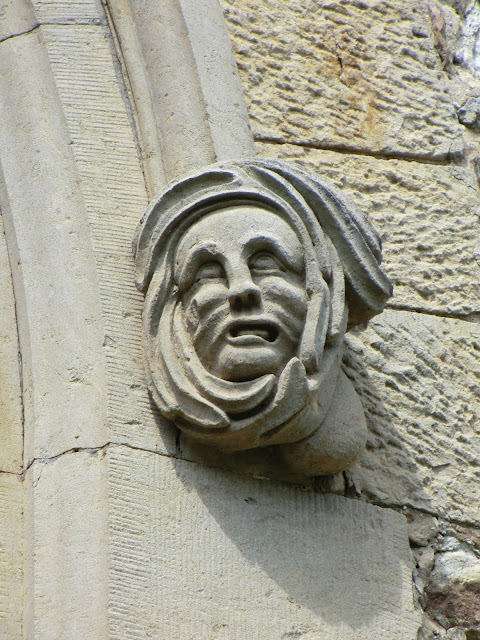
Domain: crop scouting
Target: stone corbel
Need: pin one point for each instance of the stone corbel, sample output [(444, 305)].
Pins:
[(253, 269)]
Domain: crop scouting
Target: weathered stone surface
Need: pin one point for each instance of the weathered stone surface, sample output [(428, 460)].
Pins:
[(114, 193), (434, 631), (11, 422), (66, 551), (11, 557), (53, 267), (363, 76), (427, 216), (421, 529), (215, 555), (16, 18), (469, 113), (67, 11), (187, 92), (453, 591), (466, 52), (418, 378)]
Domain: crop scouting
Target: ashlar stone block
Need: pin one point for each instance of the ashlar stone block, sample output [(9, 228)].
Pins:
[(11, 427), (113, 189), (203, 554), (11, 557), (66, 548), (50, 250)]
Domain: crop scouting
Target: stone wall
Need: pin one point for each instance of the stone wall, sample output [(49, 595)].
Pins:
[(114, 526)]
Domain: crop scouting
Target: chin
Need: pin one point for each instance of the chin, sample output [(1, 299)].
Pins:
[(238, 364)]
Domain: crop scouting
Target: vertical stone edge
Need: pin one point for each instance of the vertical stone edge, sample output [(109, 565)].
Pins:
[(60, 563), (53, 266), (177, 55), (11, 557), (11, 409), (66, 555)]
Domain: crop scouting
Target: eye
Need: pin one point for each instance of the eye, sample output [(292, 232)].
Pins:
[(210, 271), (265, 262)]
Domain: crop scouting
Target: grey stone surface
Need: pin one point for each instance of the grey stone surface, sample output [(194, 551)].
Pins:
[(51, 253), (453, 588), (469, 113), (63, 12), (418, 378), (114, 193), (16, 17), (66, 560), (11, 419), (12, 585), (186, 88), (71, 108), (216, 555)]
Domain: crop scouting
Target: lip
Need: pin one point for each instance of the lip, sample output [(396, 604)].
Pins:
[(252, 332)]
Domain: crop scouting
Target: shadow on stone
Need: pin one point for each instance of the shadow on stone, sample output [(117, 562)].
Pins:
[(341, 562)]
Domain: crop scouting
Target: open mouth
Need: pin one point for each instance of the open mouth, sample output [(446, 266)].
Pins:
[(266, 331)]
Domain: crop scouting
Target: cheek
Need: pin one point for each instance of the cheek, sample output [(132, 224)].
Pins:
[(202, 300), (291, 296)]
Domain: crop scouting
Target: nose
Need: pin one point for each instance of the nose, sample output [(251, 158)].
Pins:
[(243, 294)]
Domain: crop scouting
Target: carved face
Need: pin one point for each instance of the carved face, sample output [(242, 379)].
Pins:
[(240, 274), (246, 309)]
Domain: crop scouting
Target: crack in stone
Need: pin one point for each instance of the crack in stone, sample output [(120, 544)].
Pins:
[(90, 450), (399, 508), (73, 23), (10, 473), (17, 325), (17, 35)]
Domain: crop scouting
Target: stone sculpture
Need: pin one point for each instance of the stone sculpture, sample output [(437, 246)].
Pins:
[(253, 271)]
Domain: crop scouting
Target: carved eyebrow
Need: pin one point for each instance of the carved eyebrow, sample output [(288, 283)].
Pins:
[(291, 260), (186, 267)]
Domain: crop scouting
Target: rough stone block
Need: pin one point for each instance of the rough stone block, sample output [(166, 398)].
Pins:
[(426, 214), (363, 76), (453, 592), (418, 377), (203, 554)]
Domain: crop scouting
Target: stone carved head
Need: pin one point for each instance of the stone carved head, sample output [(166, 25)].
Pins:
[(253, 271)]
